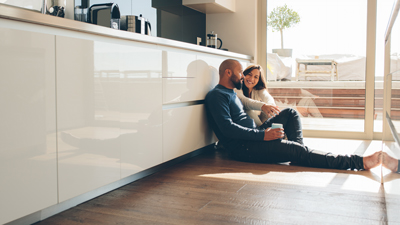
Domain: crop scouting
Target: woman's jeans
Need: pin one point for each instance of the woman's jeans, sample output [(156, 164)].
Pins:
[(291, 150)]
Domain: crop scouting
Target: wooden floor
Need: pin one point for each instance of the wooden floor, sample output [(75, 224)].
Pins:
[(212, 189)]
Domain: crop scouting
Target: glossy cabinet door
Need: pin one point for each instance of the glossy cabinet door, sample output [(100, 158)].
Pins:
[(28, 166), (109, 102), (207, 72), (185, 129), (88, 114), (141, 110), (186, 76), (179, 75)]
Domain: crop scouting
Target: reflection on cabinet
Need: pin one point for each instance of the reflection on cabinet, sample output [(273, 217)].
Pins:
[(88, 146), (141, 111), (109, 112), (185, 130), (187, 78), (28, 168)]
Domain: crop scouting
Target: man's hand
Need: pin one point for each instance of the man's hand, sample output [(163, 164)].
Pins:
[(273, 134), (270, 110)]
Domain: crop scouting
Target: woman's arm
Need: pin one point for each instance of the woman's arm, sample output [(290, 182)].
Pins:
[(249, 103), (266, 97)]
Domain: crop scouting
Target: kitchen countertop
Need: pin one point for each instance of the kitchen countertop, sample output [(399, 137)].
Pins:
[(28, 16)]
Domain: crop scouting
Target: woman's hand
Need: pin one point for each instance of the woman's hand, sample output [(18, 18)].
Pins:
[(273, 134), (270, 110)]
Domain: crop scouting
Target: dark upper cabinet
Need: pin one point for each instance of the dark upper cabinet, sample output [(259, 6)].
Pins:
[(178, 22)]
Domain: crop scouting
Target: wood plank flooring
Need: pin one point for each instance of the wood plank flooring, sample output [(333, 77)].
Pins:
[(212, 189), (392, 186)]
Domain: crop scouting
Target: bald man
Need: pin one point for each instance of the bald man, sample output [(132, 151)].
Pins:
[(247, 142)]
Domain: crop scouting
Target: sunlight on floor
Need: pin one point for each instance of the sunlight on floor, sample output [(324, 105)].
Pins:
[(364, 181), (369, 181), (294, 178), (392, 180)]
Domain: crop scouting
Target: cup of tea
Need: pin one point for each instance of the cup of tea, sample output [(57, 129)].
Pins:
[(276, 125)]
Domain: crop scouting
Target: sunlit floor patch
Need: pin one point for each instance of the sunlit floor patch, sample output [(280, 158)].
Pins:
[(314, 179)]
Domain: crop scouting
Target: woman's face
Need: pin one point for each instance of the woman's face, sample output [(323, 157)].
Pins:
[(252, 78)]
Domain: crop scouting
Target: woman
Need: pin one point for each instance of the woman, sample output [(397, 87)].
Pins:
[(255, 87)]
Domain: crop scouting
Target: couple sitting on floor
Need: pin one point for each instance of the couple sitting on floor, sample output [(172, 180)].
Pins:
[(242, 119)]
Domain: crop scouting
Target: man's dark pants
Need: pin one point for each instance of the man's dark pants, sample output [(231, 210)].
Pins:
[(291, 150)]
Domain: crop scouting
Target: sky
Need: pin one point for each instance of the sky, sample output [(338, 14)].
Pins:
[(330, 27)]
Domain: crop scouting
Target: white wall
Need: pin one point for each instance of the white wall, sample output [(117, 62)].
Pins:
[(237, 30)]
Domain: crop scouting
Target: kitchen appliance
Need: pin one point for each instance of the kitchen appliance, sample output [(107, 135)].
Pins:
[(212, 40), (137, 24), (55, 7), (81, 11), (107, 15)]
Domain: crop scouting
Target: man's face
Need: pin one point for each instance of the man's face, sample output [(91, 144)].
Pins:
[(237, 76)]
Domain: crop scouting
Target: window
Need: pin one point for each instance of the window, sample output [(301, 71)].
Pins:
[(324, 76)]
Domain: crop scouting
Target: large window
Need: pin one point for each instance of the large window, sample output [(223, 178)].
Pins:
[(384, 7), (394, 69), (324, 74)]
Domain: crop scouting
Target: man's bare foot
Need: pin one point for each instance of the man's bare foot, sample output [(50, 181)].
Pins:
[(372, 161), (389, 162)]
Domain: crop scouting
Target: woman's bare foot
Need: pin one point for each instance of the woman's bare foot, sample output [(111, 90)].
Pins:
[(372, 161), (389, 162)]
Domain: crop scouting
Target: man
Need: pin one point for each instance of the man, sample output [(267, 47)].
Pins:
[(246, 142)]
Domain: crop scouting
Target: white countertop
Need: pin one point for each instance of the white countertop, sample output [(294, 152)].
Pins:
[(28, 16)]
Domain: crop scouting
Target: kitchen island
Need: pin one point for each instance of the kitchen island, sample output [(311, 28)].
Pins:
[(87, 109)]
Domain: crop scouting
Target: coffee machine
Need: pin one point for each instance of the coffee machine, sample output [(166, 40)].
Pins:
[(106, 14)]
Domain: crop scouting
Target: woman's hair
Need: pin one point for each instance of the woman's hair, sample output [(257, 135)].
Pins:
[(262, 82)]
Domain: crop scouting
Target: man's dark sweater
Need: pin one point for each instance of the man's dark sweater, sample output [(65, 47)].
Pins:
[(227, 117)]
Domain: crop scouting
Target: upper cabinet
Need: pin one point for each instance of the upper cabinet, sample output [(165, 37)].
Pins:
[(211, 6)]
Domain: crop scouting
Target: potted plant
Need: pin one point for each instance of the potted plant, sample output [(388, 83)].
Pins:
[(279, 19)]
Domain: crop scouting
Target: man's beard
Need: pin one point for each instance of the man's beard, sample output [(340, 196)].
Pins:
[(238, 84)]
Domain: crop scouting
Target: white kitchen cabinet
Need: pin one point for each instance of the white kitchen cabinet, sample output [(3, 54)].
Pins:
[(179, 72), (109, 111), (28, 166), (189, 77), (141, 109), (88, 114), (185, 129), (178, 62), (207, 73), (82, 108), (214, 61)]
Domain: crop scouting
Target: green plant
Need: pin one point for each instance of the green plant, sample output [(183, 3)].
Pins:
[(282, 18)]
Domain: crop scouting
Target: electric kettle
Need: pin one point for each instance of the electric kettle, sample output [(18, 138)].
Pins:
[(212, 40), (137, 24)]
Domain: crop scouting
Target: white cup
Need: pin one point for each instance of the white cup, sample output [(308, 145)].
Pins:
[(276, 125)]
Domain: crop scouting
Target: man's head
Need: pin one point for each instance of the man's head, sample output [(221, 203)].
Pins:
[(231, 74)]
